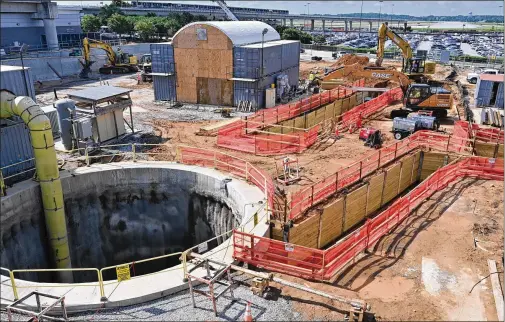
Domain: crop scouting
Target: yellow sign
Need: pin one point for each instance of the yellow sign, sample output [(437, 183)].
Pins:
[(123, 273)]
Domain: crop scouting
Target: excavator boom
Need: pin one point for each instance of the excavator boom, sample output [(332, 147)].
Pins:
[(384, 33)]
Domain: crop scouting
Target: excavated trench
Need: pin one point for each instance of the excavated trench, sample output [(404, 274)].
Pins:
[(119, 216)]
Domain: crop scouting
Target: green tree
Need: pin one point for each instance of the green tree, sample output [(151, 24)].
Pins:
[(151, 14), (145, 29), (319, 39), (159, 24), (295, 34), (171, 25), (90, 23), (107, 11), (120, 24), (200, 18)]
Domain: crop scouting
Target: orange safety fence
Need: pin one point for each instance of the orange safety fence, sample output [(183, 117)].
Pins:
[(303, 199), (367, 109), (474, 131), (240, 135), (325, 264), (228, 163)]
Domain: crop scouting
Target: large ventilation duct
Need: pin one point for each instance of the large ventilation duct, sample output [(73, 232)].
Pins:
[(47, 173)]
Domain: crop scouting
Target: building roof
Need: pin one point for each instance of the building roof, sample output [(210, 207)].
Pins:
[(491, 77), (240, 32), (270, 43), (8, 68)]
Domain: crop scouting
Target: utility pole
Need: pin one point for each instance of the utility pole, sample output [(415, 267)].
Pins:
[(360, 17)]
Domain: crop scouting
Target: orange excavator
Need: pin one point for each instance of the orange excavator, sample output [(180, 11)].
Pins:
[(427, 97)]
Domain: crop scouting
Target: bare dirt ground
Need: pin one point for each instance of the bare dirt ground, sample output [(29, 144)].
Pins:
[(426, 267)]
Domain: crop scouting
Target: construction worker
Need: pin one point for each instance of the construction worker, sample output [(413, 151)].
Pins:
[(311, 77)]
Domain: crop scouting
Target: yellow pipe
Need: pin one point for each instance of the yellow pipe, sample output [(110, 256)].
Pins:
[(46, 166)]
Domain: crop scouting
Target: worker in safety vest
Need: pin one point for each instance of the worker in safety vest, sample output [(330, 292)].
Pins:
[(311, 76)]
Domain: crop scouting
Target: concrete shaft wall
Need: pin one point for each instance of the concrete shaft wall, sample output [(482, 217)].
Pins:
[(119, 215)]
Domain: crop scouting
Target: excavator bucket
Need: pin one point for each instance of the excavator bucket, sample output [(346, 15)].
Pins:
[(86, 69)]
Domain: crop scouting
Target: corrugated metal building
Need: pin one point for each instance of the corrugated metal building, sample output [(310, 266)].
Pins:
[(12, 78), (163, 71), (224, 62), (16, 152), (489, 91)]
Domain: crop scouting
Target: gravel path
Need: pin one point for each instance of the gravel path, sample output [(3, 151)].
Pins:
[(178, 307)]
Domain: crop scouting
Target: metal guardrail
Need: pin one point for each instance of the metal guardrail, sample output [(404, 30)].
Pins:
[(100, 281)]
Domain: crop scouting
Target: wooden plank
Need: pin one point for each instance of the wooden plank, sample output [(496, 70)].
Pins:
[(374, 193), (329, 111), (345, 105), (353, 101), (355, 207), (300, 122), (484, 149), (319, 115), (431, 162), (391, 183), (338, 107), (305, 233), (331, 222), (497, 291), (311, 119), (406, 173)]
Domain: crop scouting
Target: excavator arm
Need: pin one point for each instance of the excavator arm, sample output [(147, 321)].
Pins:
[(384, 33), (359, 71), (89, 43)]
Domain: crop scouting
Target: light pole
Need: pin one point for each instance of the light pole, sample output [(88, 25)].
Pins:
[(360, 16), (262, 42), (380, 10), (392, 10)]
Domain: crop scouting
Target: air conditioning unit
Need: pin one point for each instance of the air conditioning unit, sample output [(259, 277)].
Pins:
[(52, 114)]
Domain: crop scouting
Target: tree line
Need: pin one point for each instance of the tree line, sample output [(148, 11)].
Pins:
[(145, 26)]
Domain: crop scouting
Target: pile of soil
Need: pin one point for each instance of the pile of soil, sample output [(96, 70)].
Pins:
[(351, 59)]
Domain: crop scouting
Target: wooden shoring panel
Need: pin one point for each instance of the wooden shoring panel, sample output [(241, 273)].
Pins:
[(355, 207), (391, 183), (484, 149), (499, 152), (319, 115), (311, 119), (300, 122), (416, 165), (329, 111), (338, 107), (406, 173), (331, 222), (353, 101), (345, 105), (431, 162), (306, 233), (375, 186)]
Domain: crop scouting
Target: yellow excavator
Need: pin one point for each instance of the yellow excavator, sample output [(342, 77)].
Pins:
[(118, 62), (414, 68), (435, 97)]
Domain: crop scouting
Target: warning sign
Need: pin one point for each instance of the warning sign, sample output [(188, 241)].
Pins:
[(123, 273), (492, 160), (289, 247), (202, 247)]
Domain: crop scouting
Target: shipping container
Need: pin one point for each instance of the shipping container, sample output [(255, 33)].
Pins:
[(16, 152), (162, 56), (257, 60), (164, 88), (290, 53), (488, 93), (12, 78)]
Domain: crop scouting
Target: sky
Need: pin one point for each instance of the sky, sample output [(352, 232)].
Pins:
[(415, 8)]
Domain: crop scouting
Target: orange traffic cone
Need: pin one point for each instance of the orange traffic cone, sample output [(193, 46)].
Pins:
[(248, 314)]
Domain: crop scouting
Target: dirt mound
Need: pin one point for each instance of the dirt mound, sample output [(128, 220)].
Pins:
[(350, 59)]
